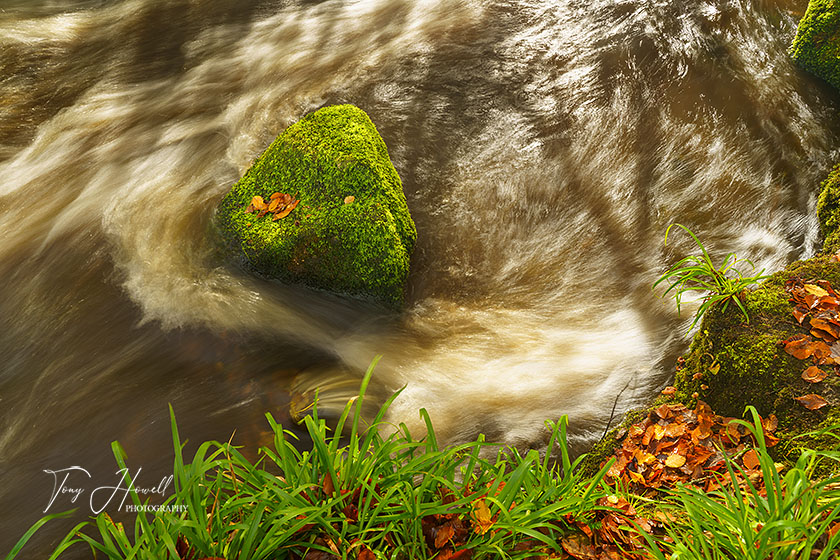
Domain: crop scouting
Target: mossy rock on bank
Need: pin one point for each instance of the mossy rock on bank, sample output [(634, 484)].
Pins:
[(361, 248), (828, 205), (816, 47), (732, 364)]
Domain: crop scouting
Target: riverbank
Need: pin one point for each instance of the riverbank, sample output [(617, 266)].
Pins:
[(377, 493)]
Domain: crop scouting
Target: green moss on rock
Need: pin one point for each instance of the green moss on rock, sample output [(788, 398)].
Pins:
[(732, 364), (362, 248), (816, 47), (604, 448), (827, 210)]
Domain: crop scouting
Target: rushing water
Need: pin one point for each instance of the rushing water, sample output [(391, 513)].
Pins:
[(544, 147)]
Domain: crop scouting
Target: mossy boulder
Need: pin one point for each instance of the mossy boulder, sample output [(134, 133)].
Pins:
[(816, 47), (732, 363), (828, 205), (361, 248)]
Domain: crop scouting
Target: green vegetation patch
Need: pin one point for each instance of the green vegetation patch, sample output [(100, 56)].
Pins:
[(827, 210), (816, 47), (732, 364), (359, 493), (351, 232)]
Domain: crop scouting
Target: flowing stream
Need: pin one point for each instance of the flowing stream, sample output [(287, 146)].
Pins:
[(544, 147)]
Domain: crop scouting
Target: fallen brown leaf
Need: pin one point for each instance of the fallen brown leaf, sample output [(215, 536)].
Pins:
[(750, 459), (815, 290), (258, 203), (286, 211), (481, 517), (798, 346), (577, 547), (814, 374), (812, 401), (444, 533)]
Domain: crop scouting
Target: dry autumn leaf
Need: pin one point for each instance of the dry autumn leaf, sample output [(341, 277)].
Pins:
[(451, 554), (349, 199), (481, 517), (675, 430), (812, 401), (258, 203), (577, 547), (675, 461), (287, 210), (799, 347), (668, 391), (276, 195), (800, 313), (327, 485), (750, 459), (658, 431), (636, 477), (663, 411), (814, 374), (366, 554), (444, 534), (815, 290)]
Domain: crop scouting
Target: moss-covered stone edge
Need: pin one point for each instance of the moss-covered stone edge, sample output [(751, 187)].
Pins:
[(732, 364), (828, 205), (816, 47)]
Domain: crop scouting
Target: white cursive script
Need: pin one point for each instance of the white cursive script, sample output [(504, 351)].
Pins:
[(125, 486)]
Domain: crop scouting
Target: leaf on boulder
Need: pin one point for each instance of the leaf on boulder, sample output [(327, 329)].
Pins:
[(286, 211), (258, 203), (770, 423), (815, 290), (349, 199), (812, 401), (798, 346), (814, 374)]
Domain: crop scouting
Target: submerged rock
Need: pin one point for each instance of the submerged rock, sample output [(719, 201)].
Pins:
[(351, 233), (816, 47)]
